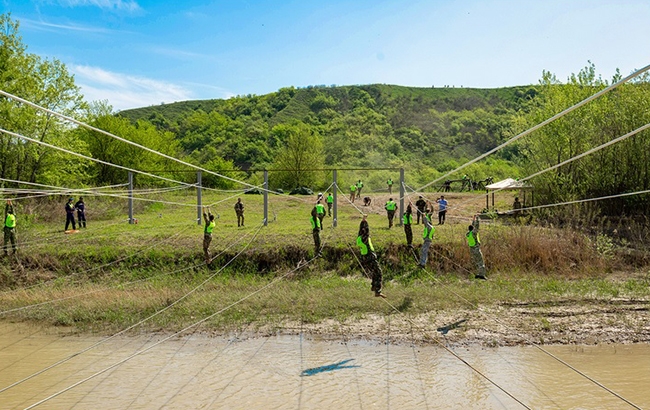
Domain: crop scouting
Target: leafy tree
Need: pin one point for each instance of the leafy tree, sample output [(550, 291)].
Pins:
[(303, 152)]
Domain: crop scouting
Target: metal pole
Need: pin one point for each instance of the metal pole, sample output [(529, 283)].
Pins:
[(266, 198), (401, 196), (130, 197), (335, 188), (199, 202)]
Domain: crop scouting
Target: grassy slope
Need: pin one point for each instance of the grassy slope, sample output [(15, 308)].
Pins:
[(152, 264)]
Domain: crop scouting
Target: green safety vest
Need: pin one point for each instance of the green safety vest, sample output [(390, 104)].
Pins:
[(353, 187), (10, 221), (472, 239), (391, 206), (389, 182), (428, 234), (330, 199), (359, 184), (315, 223), (408, 219), (209, 227), (362, 246), (320, 209)]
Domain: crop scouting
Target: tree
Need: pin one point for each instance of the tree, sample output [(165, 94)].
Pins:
[(301, 154)]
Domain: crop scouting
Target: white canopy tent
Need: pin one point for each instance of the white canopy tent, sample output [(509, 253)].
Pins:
[(509, 184)]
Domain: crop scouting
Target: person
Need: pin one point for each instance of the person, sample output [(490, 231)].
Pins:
[(330, 203), (390, 208), (69, 214), (9, 229), (390, 185), (446, 187), (516, 206), (320, 210), (207, 234), (421, 206), (474, 243), (427, 236), (315, 231), (407, 221), (442, 209), (367, 201), (359, 187), (369, 257), (353, 192), (81, 212), (239, 210)]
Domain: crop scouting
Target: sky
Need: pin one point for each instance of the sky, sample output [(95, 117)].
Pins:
[(136, 53)]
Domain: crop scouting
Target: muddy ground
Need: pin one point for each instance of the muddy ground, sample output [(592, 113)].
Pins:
[(585, 322)]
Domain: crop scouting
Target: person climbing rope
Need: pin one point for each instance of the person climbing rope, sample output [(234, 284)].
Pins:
[(320, 210), (207, 234), (368, 256), (315, 230), (474, 243), (427, 236), (9, 229), (408, 221)]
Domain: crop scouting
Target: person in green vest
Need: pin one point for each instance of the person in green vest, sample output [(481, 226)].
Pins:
[(390, 185), (390, 208), (359, 187), (9, 228), (69, 214), (315, 230), (330, 203), (320, 210), (369, 257), (207, 234), (474, 243), (353, 192), (408, 221), (427, 236)]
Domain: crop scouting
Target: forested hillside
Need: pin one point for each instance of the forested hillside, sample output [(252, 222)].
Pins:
[(421, 129)]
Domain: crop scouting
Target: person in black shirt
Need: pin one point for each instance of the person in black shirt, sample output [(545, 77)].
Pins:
[(69, 214), (81, 212)]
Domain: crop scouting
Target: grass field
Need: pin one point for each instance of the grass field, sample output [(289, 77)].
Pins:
[(113, 275)]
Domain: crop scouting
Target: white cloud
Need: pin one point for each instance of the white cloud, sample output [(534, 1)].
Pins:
[(117, 5), (125, 91), (42, 25)]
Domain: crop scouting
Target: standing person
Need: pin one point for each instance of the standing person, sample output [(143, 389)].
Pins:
[(408, 220), (81, 212), (427, 236), (359, 187), (369, 257), (315, 231), (320, 210), (330, 202), (390, 185), (239, 210), (9, 228), (207, 234), (390, 208), (69, 214), (474, 243), (516, 206), (442, 209), (421, 206), (353, 192)]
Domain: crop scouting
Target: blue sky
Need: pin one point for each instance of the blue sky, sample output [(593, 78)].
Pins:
[(137, 53)]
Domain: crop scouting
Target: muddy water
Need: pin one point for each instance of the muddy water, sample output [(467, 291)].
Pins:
[(293, 372)]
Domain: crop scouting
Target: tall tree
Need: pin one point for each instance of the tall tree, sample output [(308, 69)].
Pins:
[(301, 154)]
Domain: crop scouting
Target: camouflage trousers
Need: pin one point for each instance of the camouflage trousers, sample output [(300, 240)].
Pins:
[(207, 238), (372, 266), (10, 236), (409, 234), (477, 259)]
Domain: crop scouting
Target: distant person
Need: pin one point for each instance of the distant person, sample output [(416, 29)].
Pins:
[(9, 229), (516, 206), (367, 201), (390, 185), (421, 206), (446, 187), (81, 212), (442, 209), (408, 221), (315, 231), (368, 256), (474, 243), (390, 208), (353, 192), (359, 188), (69, 214), (239, 210), (427, 237), (330, 203), (207, 234), (320, 210)]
